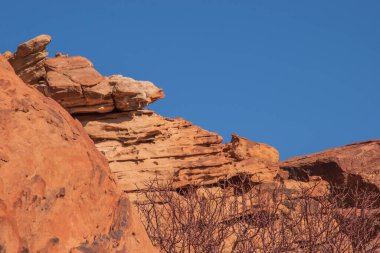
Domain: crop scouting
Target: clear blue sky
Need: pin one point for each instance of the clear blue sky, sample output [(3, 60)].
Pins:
[(302, 76)]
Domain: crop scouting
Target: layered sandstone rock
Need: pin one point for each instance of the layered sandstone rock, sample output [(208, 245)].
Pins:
[(61, 170), (28, 61), (75, 84), (56, 190), (79, 88), (354, 164), (142, 145)]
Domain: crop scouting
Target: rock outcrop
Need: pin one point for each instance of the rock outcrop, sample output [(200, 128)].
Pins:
[(354, 168), (79, 88), (54, 165), (357, 164), (75, 84), (142, 145), (57, 193)]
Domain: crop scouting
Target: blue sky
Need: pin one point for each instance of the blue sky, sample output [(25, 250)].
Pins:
[(302, 76)]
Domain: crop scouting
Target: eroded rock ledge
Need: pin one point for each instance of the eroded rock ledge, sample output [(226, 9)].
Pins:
[(142, 144)]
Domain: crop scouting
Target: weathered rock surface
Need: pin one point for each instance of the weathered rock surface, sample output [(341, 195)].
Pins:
[(5, 64), (141, 145), (356, 166), (79, 88), (28, 61), (75, 84), (130, 94), (54, 166), (357, 163), (56, 190)]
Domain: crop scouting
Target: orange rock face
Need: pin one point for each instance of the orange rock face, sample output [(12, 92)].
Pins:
[(354, 164), (56, 190)]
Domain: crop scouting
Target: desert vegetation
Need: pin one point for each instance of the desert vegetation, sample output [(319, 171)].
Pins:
[(238, 215)]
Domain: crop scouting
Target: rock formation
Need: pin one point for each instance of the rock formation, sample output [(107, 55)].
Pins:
[(75, 84), (355, 167), (61, 169), (142, 145), (354, 164), (57, 193), (79, 88)]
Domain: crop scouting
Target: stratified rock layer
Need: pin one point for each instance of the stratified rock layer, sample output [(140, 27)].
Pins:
[(56, 190), (142, 145), (354, 164)]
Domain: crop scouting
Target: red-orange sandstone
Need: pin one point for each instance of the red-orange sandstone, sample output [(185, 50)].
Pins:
[(56, 190)]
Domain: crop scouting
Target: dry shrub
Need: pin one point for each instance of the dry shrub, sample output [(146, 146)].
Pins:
[(238, 215)]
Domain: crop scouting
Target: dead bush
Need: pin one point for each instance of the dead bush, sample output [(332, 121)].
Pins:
[(238, 215)]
